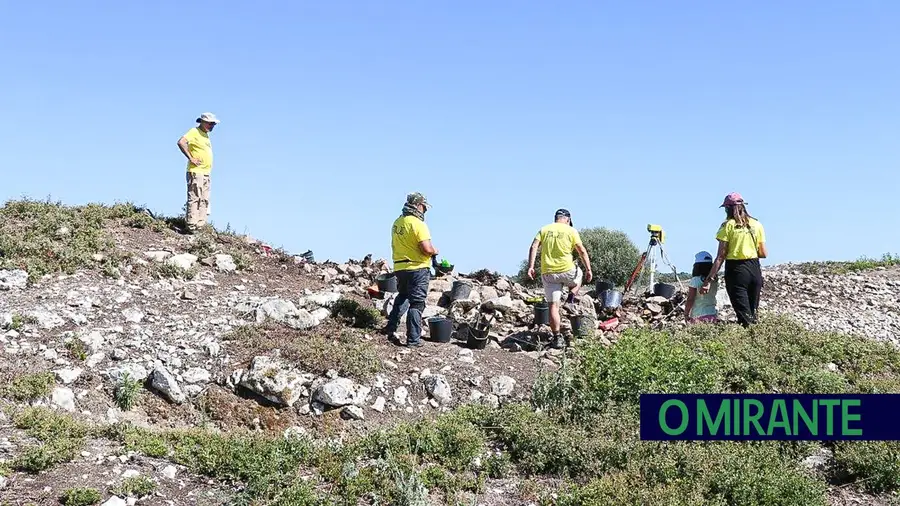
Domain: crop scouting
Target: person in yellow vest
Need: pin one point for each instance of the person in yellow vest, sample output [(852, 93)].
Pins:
[(412, 252), (742, 242), (195, 145), (557, 242)]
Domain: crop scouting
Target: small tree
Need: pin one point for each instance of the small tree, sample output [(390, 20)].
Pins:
[(613, 256)]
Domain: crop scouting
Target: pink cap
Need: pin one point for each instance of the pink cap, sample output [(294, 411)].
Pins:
[(732, 199)]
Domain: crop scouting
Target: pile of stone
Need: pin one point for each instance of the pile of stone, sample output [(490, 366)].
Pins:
[(508, 304)]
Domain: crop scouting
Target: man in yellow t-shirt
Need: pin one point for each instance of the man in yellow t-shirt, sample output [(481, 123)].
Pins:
[(195, 145), (557, 241), (412, 252)]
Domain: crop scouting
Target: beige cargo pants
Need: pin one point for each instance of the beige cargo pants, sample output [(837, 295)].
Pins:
[(197, 200)]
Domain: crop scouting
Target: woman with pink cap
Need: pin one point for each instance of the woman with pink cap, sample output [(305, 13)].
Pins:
[(742, 242)]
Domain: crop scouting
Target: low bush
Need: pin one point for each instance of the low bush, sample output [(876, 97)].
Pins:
[(31, 387), (356, 314), (80, 497)]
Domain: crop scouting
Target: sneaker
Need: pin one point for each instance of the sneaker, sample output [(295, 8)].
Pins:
[(558, 342), (414, 344)]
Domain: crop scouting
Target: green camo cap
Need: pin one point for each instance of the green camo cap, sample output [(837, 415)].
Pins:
[(417, 198)]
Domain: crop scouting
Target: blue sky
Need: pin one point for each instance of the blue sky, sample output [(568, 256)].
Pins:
[(626, 113)]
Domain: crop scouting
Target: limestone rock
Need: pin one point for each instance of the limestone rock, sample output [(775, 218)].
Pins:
[(63, 398), (225, 263), (163, 382), (437, 387), (275, 381), (183, 261), (341, 392)]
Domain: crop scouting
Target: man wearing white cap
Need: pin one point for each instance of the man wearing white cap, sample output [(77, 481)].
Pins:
[(197, 148)]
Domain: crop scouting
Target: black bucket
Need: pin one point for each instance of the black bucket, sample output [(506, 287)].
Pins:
[(610, 299), (542, 313), (386, 282), (440, 329), (460, 290), (604, 285), (475, 342), (664, 290), (478, 335)]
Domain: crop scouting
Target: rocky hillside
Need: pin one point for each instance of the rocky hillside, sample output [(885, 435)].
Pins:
[(147, 366)]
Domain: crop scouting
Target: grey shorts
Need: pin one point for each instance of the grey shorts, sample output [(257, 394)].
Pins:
[(554, 283)]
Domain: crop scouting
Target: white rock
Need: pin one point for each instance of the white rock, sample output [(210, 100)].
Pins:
[(438, 388), (94, 360), (135, 371), (67, 376), (46, 319), (502, 385), (131, 473), (475, 396), (353, 412), (379, 404), (196, 375), (213, 349), (275, 380), (341, 392), (157, 256), (170, 472), (63, 398), (286, 312), (225, 263), (10, 279), (164, 382), (115, 501), (323, 299), (93, 340), (401, 394), (133, 315), (184, 260)]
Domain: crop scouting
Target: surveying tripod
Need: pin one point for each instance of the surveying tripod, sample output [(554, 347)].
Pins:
[(648, 260)]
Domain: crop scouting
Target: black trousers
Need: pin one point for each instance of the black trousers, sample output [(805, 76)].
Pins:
[(744, 283)]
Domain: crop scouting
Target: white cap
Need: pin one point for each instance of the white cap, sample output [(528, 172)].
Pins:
[(703, 258), (208, 117)]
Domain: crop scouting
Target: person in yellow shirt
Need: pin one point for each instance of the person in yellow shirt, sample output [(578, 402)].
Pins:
[(742, 242), (195, 145), (557, 241), (412, 252)]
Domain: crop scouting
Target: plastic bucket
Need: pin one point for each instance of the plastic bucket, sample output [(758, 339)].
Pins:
[(475, 342), (460, 290), (542, 313), (386, 282), (440, 329), (604, 285), (610, 299), (664, 290)]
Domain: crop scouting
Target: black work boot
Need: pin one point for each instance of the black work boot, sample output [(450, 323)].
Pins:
[(558, 342)]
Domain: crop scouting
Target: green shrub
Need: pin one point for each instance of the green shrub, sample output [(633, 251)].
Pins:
[(60, 436), (80, 497), (136, 486), (30, 387), (874, 464), (356, 314), (127, 391)]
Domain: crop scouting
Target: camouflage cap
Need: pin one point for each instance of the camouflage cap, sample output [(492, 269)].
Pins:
[(417, 198)]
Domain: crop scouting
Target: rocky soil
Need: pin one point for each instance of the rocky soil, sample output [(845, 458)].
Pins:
[(215, 344)]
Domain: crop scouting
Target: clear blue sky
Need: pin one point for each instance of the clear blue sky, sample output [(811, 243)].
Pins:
[(625, 113)]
